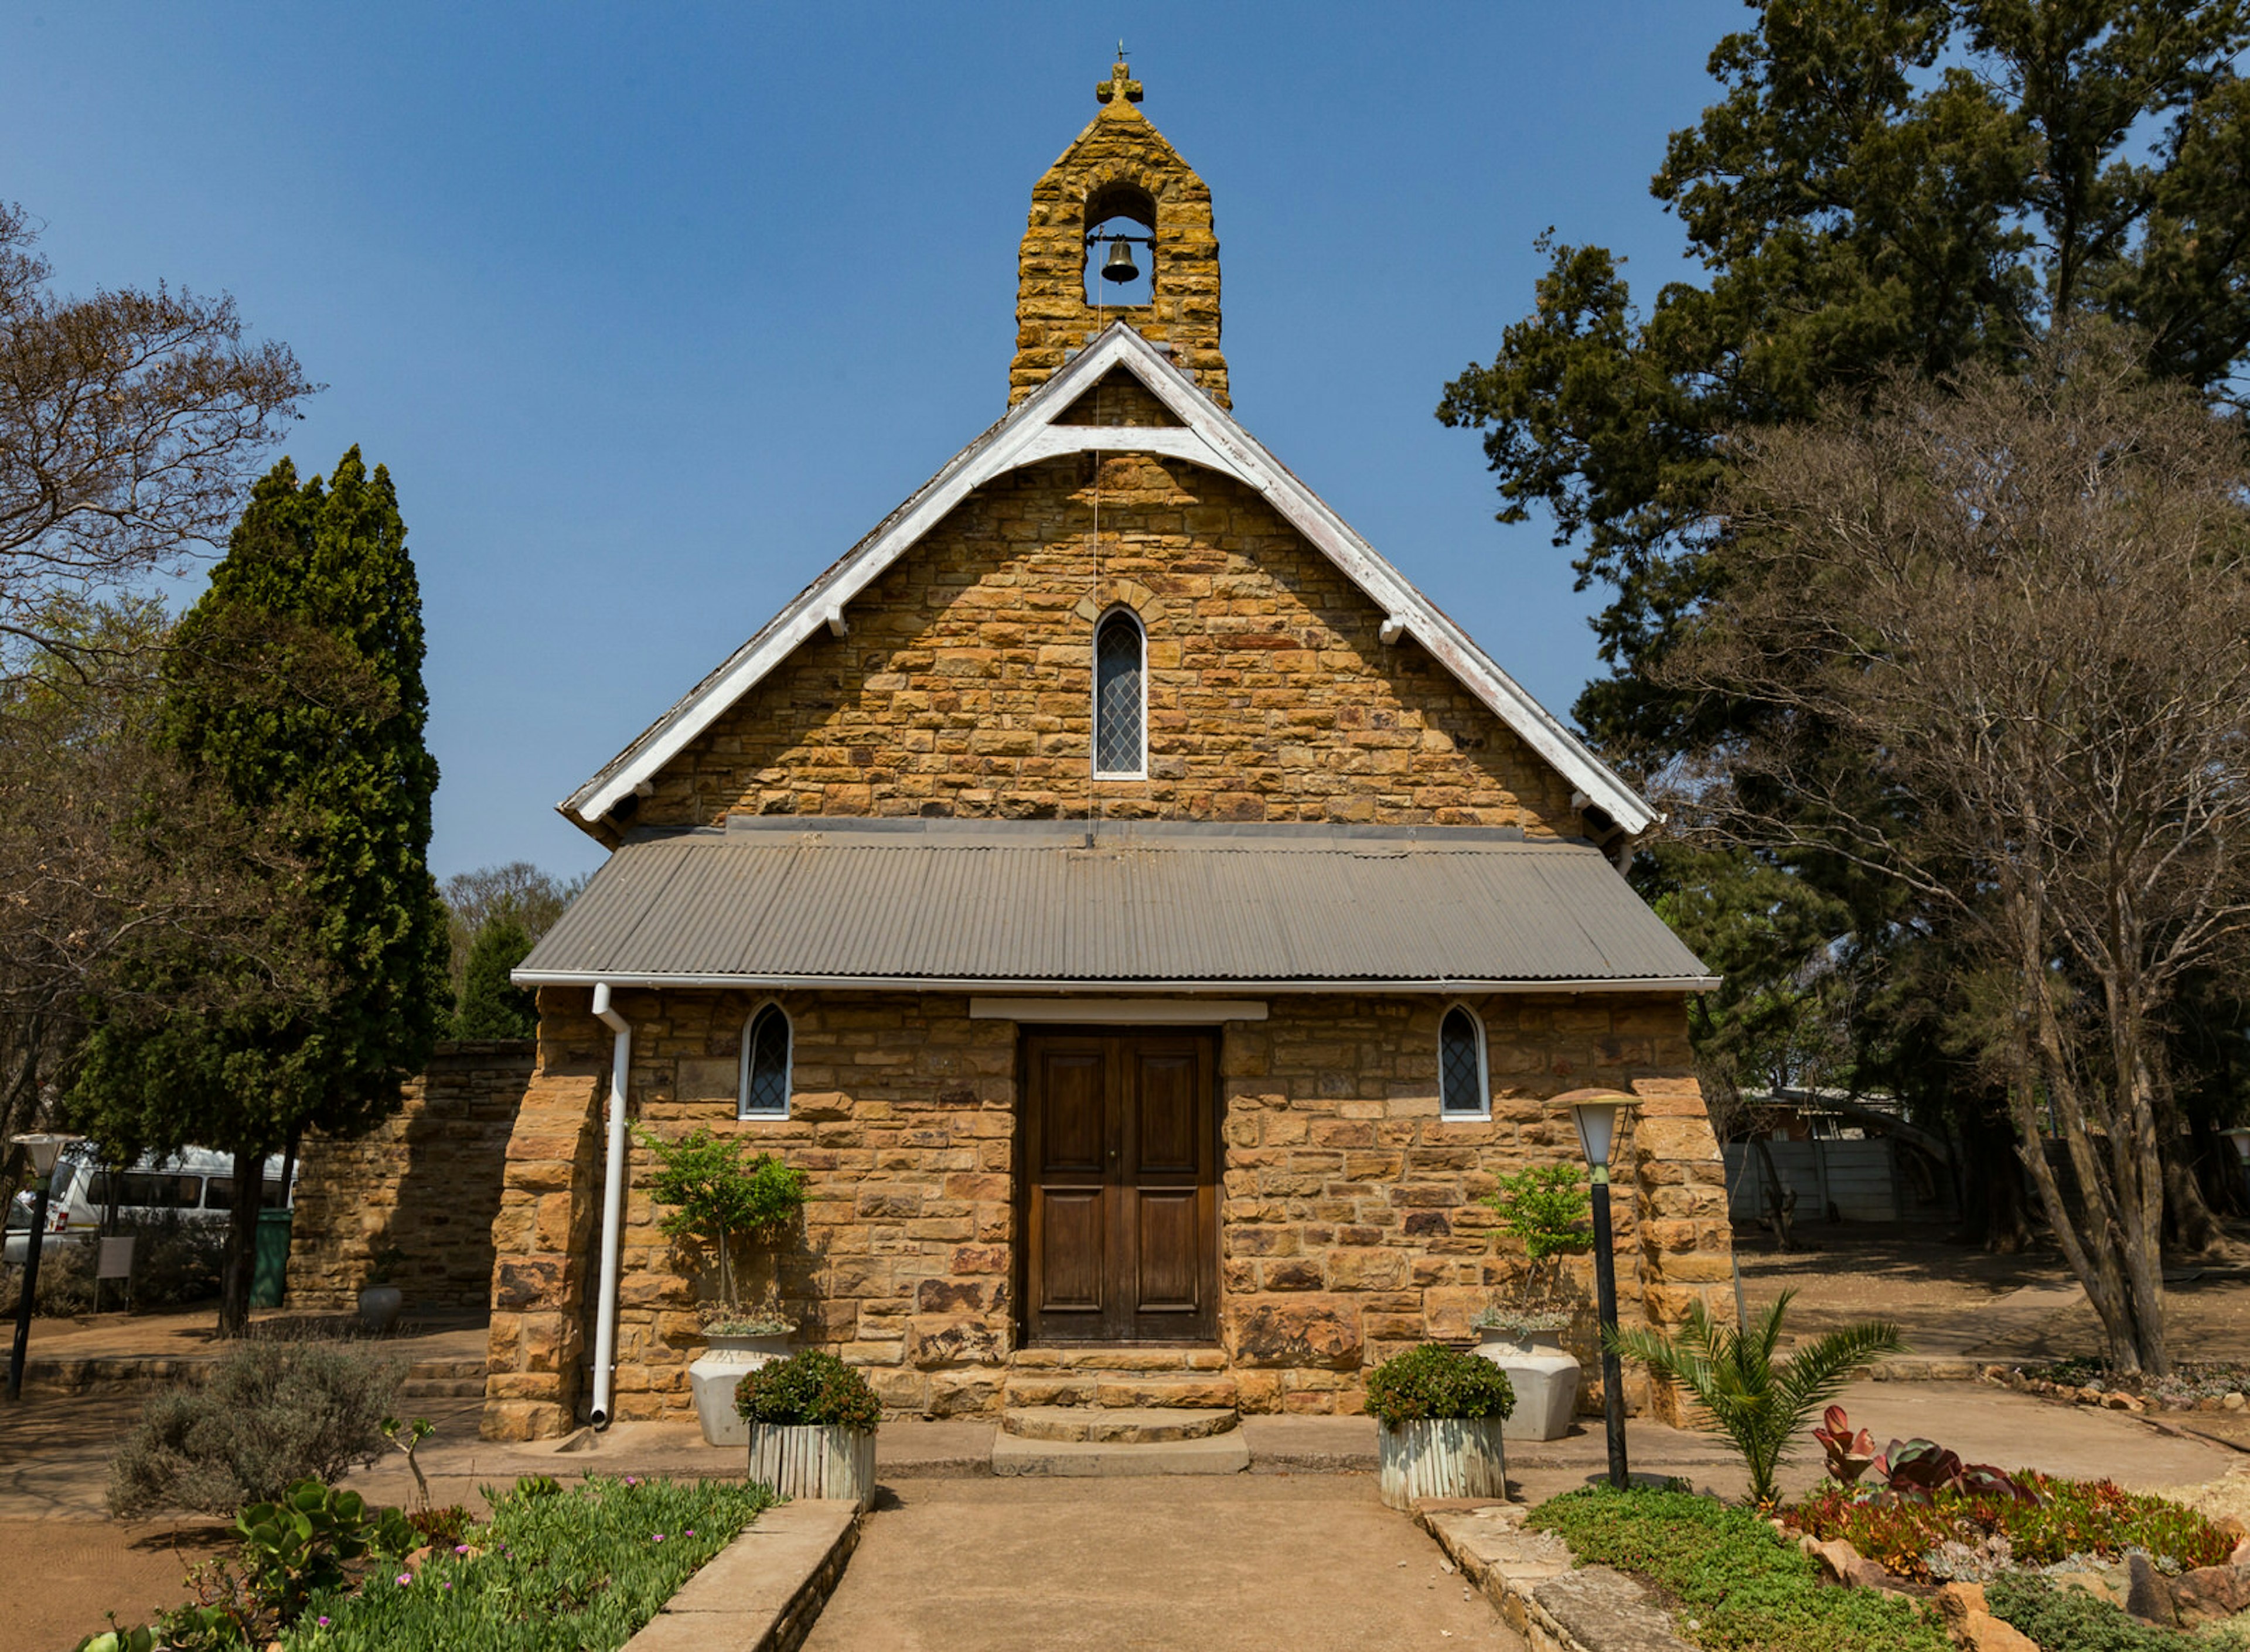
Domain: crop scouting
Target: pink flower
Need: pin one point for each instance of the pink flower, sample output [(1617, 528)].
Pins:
[(405, 1577), (324, 1623), (659, 1538), (461, 1548)]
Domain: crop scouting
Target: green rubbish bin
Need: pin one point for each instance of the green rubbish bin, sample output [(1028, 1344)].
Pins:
[(273, 1269)]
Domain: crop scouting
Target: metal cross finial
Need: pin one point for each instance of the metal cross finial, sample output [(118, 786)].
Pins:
[(1120, 79)]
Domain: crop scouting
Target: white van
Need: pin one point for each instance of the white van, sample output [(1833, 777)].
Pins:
[(195, 1185)]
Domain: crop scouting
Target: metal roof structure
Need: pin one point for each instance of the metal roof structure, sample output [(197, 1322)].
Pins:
[(1058, 905), (1033, 431)]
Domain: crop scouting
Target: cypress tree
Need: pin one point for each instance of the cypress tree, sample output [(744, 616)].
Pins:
[(295, 689), (491, 1005)]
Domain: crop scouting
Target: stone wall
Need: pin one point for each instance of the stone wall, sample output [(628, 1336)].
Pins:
[(1119, 163), (1350, 1226), (964, 687), (426, 1182)]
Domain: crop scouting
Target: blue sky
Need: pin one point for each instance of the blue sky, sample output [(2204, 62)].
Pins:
[(652, 309)]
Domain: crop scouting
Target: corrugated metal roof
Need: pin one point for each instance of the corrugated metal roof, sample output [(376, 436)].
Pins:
[(1030, 904)]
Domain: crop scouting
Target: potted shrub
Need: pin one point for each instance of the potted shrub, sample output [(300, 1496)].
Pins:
[(811, 1421), (379, 1299), (1442, 1410), (1548, 1208), (719, 1201)]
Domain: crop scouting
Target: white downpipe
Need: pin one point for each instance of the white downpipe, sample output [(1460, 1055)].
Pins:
[(613, 1205)]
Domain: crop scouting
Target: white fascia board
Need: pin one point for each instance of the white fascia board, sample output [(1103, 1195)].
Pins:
[(1206, 436), (1666, 984)]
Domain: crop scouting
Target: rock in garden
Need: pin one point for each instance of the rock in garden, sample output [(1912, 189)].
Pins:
[(1836, 1558), (2211, 1593), (2147, 1596)]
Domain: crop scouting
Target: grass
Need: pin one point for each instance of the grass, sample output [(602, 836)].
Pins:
[(554, 1570), (1736, 1586)]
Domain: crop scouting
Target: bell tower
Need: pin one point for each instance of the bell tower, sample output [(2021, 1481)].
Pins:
[(1120, 170)]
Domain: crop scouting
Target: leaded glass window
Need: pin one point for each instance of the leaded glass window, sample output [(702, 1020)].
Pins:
[(765, 1065), (1119, 703), (1460, 1062)]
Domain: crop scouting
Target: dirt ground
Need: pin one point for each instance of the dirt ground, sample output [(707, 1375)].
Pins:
[(1844, 1273)]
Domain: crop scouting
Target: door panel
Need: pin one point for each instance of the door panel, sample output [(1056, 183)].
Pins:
[(1120, 1199)]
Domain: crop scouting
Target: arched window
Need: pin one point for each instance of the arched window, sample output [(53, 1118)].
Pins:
[(1463, 1090), (1120, 216), (1120, 699), (764, 1089)]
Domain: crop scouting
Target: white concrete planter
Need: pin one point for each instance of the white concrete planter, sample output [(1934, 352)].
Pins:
[(1544, 1375), (724, 1362), (379, 1307), (1441, 1457), (817, 1461)]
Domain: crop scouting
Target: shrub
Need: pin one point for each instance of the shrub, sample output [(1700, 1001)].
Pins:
[(1434, 1381), (715, 1197), (808, 1388), (1737, 1586), (272, 1412), (2071, 1516), (175, 1261), (65, 1281)]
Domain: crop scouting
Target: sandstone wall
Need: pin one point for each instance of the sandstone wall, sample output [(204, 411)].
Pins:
[(964, 686), (1350, 1226), (426, 1182)]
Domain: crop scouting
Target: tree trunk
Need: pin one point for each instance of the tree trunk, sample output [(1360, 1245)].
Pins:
[(239, 1266)]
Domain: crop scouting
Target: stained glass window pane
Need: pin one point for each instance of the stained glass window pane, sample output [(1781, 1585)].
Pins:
[(1117, 698), (1461, 1083), (766, 1091)]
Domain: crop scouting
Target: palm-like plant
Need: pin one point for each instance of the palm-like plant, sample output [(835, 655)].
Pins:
[(1760, 1403)]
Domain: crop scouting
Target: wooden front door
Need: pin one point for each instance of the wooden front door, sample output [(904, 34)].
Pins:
[(1120, 1218)]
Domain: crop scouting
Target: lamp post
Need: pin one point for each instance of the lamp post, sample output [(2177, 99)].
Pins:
[(43, 1150), (1594, 1113), (2241, 1137)]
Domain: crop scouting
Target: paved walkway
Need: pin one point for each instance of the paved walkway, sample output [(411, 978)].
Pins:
[(1310, 1563)]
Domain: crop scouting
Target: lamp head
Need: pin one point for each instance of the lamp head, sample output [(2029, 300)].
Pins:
[(1594, 1113), (2241, 1137), (45, 1150)]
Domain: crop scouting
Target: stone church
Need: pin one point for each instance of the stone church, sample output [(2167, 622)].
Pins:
[(1148, 919)]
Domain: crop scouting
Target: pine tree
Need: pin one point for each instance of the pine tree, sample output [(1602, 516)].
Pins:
[(295, 689), (491, 1006)]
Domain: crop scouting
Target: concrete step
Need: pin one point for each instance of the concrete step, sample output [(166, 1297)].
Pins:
[(1121, 1390), (1227, 1453), (1120, 1426)]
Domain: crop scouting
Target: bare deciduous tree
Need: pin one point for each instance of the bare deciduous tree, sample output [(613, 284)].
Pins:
[(1995, 639)]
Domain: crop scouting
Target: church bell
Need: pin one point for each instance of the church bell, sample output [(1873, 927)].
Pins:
[(1119, 266)]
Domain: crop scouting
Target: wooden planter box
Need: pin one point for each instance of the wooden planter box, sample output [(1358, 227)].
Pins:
[(814, 1461), (1442, 1458)]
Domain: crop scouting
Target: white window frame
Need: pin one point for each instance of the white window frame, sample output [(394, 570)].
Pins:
[(1101, 623), (787, 1063), (1484, 1064)]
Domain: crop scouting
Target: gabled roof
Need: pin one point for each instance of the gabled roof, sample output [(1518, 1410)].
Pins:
[(1207, 435)]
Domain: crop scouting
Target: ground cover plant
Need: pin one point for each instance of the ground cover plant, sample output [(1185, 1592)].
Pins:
[(1434, 1382), (1732, 1585), (552, 1570), (273, 1411), (2070, 1620)]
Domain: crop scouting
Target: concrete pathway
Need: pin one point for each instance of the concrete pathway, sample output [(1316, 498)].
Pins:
[(1307, 1563)]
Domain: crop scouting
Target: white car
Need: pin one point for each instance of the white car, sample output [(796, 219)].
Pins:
[(194, 1184)]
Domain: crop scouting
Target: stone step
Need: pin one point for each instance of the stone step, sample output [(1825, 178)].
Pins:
[(1145, 1357), (444, 1389), (446, 1370), (1120, 1390), (1227, 1453), (1123, 1426)]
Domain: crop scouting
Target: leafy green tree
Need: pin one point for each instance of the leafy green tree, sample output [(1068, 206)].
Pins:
[(517, 889), (491, 1006), (294, 689), (1882, 184), (716, 1197)]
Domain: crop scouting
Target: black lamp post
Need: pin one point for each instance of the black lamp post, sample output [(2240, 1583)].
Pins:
[(43, 1150), (1595, 1113)]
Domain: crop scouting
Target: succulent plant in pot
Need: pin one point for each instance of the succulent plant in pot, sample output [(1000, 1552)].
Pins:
[(719, 1197), (1548, 1209)]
